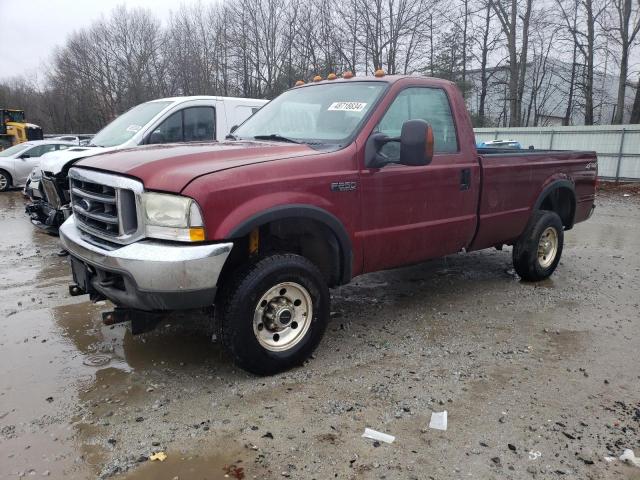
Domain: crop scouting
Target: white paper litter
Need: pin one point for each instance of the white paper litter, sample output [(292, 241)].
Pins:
[(609, 459), (628, 456), (438, 420), (375, 435)]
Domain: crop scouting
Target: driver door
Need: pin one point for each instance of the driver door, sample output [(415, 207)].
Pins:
[(413, 213), (28, 160)]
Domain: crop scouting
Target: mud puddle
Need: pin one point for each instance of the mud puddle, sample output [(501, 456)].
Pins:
[(193, 465)]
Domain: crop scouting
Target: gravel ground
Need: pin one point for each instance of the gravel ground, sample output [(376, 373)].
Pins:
[(539, 380)]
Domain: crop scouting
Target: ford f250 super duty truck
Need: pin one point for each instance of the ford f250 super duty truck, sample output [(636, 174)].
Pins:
[(328, 181)]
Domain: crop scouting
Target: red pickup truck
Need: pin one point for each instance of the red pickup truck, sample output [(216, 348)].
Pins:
[(330, 180)]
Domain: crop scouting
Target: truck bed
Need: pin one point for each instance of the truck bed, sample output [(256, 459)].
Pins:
[(513, 181)]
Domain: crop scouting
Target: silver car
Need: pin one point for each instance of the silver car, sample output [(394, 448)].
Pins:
[(17, 162)]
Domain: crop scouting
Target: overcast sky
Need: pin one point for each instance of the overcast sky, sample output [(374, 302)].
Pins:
[(30, 29)]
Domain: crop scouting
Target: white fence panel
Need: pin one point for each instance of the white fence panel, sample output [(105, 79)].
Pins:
[(617, 146)]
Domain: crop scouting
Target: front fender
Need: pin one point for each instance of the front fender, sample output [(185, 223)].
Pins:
[(244, 222)]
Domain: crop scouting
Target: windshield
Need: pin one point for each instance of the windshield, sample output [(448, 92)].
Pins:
[(13, 116), (13, 150), (326, 113), (128, 124)]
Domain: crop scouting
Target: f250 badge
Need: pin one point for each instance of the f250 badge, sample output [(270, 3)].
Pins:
[(591, 166), (343, 186)]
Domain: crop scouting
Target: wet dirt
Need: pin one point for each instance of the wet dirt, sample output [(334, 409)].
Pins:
[(551, 369)]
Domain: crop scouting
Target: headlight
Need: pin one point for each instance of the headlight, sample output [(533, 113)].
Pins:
[(172, 217), (35, 174)]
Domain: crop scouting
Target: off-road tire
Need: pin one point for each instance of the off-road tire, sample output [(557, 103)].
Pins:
[(239, 298), (6, 185), (526, 260)]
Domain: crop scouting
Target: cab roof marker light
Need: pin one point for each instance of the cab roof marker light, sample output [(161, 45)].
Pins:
[(332, 76), (317, 78), (299, 82), (348, 74), (379, 73)]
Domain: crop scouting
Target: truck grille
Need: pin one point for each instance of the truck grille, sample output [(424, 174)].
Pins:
[(106, 206), (95, 206)]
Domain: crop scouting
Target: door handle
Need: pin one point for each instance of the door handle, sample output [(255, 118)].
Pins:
[(465, 179)]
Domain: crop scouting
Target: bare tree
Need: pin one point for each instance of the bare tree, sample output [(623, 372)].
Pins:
[(581, 19), (515, 16), (258, 48), (625, 24), (485, 41)]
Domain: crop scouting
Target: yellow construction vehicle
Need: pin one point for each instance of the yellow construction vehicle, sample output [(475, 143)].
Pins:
[(14, 129)]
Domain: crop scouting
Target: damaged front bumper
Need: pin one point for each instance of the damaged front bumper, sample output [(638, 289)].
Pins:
[(46, 209), (45, 217)]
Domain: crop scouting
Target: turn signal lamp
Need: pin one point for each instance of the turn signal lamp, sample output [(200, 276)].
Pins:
[(379, 73), (317, 78), (196, 234), (331, 76), (299, 82), (347, 75)]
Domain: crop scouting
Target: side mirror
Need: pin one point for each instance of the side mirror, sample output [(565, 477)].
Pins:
[(416, 146), (234, 128), (156, 137), (25, 155)]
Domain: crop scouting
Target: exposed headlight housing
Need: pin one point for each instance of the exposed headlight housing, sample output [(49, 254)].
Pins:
[(172, 217), (36, 174)]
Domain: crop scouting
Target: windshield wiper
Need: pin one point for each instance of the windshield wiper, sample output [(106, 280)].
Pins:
[(276, 137), (231, 136)]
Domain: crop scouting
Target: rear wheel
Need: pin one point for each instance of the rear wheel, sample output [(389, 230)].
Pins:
[(273, 313), (5, 181), (537, 253)]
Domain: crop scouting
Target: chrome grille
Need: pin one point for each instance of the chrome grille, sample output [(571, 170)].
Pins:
[(106, 206), (95, 205)]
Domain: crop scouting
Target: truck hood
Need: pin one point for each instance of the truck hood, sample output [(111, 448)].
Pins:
[(170, 168), (54, 162)]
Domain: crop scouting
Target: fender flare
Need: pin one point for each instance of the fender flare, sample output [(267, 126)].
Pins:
[(304, 211), (554, 185)]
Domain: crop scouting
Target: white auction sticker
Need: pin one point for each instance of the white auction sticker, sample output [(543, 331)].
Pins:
[(347, 107), (133, 128)]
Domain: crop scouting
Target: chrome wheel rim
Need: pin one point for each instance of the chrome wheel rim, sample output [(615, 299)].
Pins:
[(547, 247), (3, 181), (282, 316)]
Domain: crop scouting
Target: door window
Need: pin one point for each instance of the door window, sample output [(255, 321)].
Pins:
[(169, 131), (189, 125), (40, 150), (199, 124), (429, 104)]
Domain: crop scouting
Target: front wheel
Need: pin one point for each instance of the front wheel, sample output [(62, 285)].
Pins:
[(273, 313), (5, 181), (537, 253)]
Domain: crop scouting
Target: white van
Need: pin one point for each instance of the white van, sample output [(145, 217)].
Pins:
[(166, 120)]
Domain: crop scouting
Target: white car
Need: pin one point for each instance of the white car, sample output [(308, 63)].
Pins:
[(166, 120), (17, 162)]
